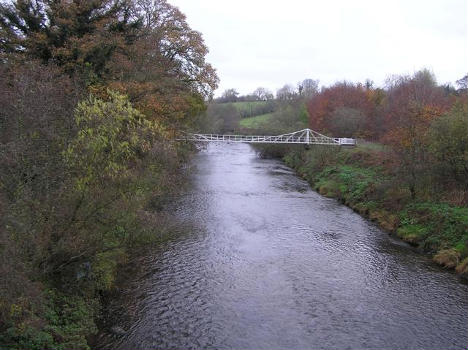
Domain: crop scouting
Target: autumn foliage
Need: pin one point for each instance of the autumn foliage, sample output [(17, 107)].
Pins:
[(91, 95), (404, 116), (322, 106)]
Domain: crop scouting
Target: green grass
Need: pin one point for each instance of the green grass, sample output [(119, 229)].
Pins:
[(248, 106), (355, 177), (439, 226), (255, 122)]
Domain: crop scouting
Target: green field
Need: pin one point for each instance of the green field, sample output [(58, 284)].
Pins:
[(255, 122), (248, 106), (254, 108)]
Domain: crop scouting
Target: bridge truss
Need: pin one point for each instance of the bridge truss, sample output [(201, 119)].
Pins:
[(305, 136)]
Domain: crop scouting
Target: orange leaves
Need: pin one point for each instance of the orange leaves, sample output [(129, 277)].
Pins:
[(156, 103), (431, 111), (398, 137), (322, 106), (412, 107)]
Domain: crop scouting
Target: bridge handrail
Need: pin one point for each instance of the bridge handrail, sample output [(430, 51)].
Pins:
[(305, 136)]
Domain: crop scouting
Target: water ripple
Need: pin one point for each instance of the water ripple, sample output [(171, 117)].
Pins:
[(270, 264)]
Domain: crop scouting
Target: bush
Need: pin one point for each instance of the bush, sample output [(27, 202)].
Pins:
[(61, 248), (63, 322)]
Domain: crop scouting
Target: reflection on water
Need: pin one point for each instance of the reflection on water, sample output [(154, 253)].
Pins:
[(271, 264)]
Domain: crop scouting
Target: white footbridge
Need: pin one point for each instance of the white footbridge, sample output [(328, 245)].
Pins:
[(305, 136)]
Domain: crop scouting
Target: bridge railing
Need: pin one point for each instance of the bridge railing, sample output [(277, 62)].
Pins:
[(263, 139), (344, 141), (305, 136)]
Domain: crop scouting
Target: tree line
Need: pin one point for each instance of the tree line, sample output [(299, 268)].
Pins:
[(91, 94), (409, 171), (305, 88), (425, 126)]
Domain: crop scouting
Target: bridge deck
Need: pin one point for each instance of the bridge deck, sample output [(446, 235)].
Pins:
[(306, 136)]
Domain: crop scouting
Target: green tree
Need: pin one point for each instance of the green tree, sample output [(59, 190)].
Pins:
[(412, 104), (110, 137), (223, 118), (347, 122), (72, 34), (80, 183), (448, 143)]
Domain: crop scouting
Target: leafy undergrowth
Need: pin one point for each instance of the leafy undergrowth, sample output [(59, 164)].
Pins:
[(62, 322), (361, 179)]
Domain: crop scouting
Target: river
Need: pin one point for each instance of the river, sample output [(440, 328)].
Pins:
[(271, 264)]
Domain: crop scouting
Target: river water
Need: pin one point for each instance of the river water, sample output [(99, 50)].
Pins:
[(271, 264)]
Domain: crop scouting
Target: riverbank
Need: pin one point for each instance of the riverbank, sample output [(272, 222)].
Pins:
[(67, 311), (362, 179)]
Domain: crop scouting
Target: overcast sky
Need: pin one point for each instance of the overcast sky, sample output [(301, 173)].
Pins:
[(269, 43)]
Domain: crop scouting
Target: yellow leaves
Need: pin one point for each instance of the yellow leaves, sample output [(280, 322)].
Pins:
[(105, 266), (99, 91), (414, 128), (15, 310), (112, 136), (375, 96)]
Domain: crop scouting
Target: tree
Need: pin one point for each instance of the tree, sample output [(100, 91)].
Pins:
[(369, 84), (36, 104), (412, 103), (347, 122), (164, 71), (263, 94), (170, 43), (142, 48), (287, 117), (308, 87), (224, 118), (286, 93), (342, 96), (76, 198), (448, 144), (229, 95), (463, 83), (108, 141), (75, 35)]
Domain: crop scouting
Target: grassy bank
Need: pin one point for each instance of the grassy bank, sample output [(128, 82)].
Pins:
[(362, 179), (249, 109), (246, 106), (256, 122)]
